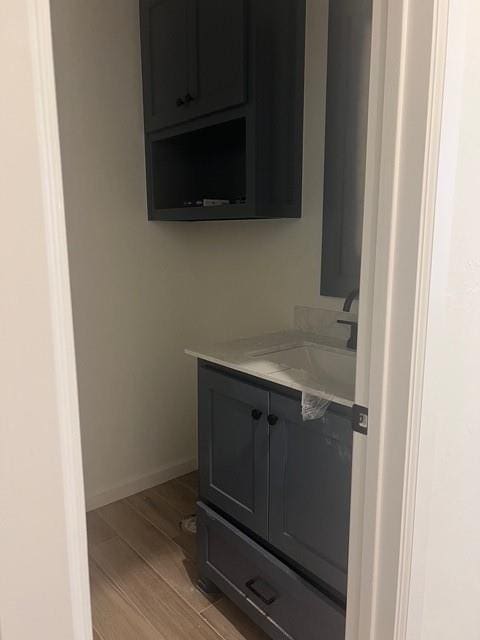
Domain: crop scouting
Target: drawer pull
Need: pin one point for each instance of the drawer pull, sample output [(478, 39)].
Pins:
[(262, 590)]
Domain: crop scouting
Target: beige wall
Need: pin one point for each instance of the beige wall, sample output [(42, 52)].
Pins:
[(143, 291)]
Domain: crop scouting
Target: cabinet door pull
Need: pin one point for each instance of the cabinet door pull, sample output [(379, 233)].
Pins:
[(262, 590), (256, 414), (180, 102), (272, 420), (189, 98)]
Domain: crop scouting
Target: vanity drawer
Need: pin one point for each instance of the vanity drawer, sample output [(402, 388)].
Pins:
[(279, 600)]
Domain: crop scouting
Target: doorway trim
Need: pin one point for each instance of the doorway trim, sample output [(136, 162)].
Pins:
[(40, 31), (380, 578), (402, 161)]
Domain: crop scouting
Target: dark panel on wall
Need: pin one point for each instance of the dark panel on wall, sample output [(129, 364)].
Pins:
[(349, 41)]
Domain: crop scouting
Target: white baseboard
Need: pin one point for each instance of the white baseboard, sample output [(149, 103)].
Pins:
[(163, 474)]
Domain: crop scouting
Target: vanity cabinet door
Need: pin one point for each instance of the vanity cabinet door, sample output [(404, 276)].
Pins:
[(233, 448), (310, 482)]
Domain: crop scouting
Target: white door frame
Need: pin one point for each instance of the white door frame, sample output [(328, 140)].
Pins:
[(406, 86), (402, 164), (61, 314), (44, 589)]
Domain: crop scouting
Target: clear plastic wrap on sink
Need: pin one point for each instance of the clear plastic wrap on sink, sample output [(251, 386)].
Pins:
[(313, 407)]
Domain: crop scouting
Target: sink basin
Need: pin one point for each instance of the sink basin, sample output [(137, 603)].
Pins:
[(289, 359), (328, 366)]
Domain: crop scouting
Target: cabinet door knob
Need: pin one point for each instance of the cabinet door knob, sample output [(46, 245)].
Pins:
[(189, 98), (256, 414), (180, 102), (272, 420)]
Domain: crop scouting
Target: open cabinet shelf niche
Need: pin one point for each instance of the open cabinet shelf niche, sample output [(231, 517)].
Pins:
[(190, 170)]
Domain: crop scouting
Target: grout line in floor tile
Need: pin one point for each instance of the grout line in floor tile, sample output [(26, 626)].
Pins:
[(212, 604), (171, 502), (157, 573), (97, 632), (127, 598), (147, 519), (216, 631), (187, 486)]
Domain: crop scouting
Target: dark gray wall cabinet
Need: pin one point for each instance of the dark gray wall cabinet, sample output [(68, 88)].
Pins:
[(349, 41), (274, 503), (223, 107)]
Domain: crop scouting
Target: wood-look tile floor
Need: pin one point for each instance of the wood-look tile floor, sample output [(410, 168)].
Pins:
[(143, 572)]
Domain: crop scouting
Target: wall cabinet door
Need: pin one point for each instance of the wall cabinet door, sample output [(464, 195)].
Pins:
[(193, 54), (310, 480), (168, 34), (233, 448), (221, 62)]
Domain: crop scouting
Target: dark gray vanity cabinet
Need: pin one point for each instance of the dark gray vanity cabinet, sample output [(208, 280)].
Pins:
[(274, 504), (310, 479), (194, 58), (277, 598), (233, 448)]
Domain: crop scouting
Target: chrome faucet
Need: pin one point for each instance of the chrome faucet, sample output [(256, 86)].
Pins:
[(352, 341)]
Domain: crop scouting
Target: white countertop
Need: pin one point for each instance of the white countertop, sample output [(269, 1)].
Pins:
[(250, 356)]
